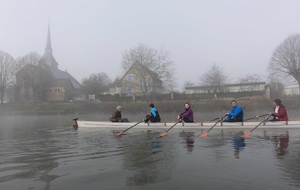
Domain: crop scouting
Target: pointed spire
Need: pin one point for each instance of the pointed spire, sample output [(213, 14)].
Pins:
[(48, 58), (48, 48)]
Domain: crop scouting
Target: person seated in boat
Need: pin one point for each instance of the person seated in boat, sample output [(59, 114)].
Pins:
[(187, 115), (117, 116), (279, 111), (236, 114), (154, 115)]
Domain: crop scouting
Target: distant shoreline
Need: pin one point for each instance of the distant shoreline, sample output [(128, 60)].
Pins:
[(203, 106)]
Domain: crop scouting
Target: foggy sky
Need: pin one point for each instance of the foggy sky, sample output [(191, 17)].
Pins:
[(91, 36)]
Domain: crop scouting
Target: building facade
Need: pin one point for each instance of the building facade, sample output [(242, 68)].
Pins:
[(291, 90), (238, 87), (137, 81)]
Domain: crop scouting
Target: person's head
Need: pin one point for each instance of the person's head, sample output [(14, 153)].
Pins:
[(277, 102), (187, 105), (151, 105), (119, 108), (233, 103)]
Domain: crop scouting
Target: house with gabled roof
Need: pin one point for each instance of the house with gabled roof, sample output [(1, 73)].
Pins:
[(137, 81)]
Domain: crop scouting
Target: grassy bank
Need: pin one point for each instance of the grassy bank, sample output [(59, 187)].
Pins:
[(164, 107)]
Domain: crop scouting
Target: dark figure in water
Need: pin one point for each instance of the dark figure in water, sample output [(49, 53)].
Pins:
[(154, 115)]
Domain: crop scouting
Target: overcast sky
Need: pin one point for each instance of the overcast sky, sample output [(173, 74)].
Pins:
[(91, 36)]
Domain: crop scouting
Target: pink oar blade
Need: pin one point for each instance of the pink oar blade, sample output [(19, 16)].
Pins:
[(163, 134), (246, 134), (204, 134), (119, 133)]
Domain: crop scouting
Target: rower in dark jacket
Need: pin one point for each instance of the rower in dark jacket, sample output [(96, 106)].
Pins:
[(279, 113), (187, 115), (117, 116)]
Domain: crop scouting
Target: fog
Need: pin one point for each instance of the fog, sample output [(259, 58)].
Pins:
[(91, 36)]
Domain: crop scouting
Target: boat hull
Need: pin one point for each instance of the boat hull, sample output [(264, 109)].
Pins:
[(204, 125)]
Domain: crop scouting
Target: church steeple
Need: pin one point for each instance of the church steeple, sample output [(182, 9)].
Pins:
[(48, 48), (48, 58)]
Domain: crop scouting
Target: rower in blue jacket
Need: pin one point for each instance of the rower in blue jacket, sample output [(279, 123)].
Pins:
[(236, 114), (154, 115)]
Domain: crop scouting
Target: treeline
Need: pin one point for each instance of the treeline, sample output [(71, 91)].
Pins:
[(175, 96)]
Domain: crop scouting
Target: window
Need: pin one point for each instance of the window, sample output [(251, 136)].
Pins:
[(129, 78), (129, 90)]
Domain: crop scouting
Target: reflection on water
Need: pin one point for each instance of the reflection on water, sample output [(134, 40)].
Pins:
[(28, 151), (282, 143), (187, 140), (147, 157), (288, 154), (238, 144), (45, 153)]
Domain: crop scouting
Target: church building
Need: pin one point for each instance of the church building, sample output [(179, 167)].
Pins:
[(63, 87)]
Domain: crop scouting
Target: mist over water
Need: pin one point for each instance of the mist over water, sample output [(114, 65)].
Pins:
[(44, 152)]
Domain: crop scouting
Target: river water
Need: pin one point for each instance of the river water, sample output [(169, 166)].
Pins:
[(45, 153)]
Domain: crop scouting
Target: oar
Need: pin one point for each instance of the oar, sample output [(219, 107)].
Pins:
[(165, 132), (249, 133), (215, 119), (256, 117), (121, 133), (219, 120)]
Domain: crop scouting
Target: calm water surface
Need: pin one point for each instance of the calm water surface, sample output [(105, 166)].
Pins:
[(44, 153)]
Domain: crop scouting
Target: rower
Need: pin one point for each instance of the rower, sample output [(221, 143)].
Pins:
[(236, 114), (154, 115), (279, 111), (117, 116), (187, 115)]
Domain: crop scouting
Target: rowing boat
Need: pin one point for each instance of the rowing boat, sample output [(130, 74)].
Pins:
[(198, 125)]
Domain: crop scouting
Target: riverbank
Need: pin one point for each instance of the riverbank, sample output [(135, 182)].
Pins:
[(249, 105)]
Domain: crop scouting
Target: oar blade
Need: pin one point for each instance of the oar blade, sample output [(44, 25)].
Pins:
[(119, 134), (204, 134), (163, 134), (246, 134)]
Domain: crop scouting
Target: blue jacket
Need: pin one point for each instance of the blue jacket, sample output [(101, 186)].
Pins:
[(154, 112), (236, 112)]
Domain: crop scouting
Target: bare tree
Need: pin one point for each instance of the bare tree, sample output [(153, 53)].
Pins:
[(285, 61), (96, 84), (187, 84), (7, 72), (152, 68), (276, 89), (33, 76), (214, 79)]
